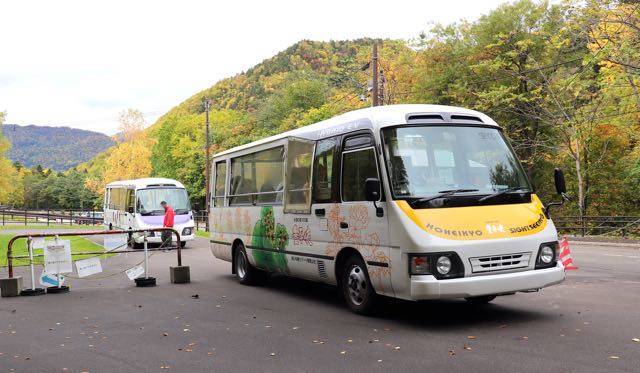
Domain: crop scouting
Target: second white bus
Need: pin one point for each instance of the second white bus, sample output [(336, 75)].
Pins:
[(135, 204)]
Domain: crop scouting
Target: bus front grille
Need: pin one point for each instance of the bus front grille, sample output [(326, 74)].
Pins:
[(500, 262)]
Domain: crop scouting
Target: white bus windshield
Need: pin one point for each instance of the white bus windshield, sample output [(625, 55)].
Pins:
[(149, 200), (424, 161)]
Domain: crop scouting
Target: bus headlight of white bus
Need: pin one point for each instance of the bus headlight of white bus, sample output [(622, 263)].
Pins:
[(440, 265), (547, 255), (187, 231)]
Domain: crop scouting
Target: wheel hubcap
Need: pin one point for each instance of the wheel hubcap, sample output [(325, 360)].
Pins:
[(241, 265), (357, 285)]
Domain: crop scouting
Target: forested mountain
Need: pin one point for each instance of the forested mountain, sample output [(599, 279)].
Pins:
[(561, 79), (56, 148)]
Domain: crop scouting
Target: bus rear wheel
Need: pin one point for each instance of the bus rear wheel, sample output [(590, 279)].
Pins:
[(356, 286), (245, 272)]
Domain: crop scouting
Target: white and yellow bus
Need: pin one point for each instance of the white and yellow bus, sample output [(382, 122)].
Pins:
[(407, 201)]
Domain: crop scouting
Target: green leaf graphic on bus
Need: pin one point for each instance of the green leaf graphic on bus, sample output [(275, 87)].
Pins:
[(269, 235)]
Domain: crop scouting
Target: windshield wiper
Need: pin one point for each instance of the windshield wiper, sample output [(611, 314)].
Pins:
[(501, 192), (182, 211), (443, 193)]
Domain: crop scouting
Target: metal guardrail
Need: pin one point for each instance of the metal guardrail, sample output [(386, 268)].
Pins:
[(64, 217), (623, 226), (10, 257)]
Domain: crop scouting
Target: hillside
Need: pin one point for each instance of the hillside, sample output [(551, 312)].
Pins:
[(534, 67), (57, 148)]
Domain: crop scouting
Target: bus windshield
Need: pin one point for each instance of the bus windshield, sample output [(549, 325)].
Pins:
[(426, 161), (149, 200)]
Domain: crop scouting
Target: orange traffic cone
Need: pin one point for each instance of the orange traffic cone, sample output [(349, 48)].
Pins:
[(565, 254)]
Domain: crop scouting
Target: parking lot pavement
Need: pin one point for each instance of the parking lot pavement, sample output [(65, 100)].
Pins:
[(586, 324)]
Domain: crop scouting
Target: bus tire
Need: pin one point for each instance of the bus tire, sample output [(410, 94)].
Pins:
[(479, 301), (356, 286), (245, 272)]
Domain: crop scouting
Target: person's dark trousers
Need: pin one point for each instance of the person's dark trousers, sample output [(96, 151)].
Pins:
[(166, 238)]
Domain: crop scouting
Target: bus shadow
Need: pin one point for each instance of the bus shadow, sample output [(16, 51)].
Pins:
[(433, 314)]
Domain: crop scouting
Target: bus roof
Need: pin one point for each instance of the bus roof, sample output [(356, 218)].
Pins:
[(148, 182), (376, 118)]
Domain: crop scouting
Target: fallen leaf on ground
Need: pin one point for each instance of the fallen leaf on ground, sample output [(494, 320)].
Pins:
[(195, 296), (165, 334), (452, 353), (637, 340), (471, 337), (379, 360), (614, 357), (343, 352), (272, 354), (467, 348), (396, 348)]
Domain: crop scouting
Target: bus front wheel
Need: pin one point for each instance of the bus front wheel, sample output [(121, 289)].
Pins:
[(245, 272), (356, 286)]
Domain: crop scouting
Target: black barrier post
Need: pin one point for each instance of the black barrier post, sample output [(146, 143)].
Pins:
[(146, 281)]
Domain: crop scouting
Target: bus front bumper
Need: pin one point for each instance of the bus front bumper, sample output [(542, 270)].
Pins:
[(428, 287)]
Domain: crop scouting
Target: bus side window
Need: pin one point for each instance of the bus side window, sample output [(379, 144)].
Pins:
[(106, 199), (298, 176), (220, 183), (357, 166), (323, 170), (130, 200)]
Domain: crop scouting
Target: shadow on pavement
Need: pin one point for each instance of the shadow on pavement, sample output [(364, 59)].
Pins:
[(433, 315)]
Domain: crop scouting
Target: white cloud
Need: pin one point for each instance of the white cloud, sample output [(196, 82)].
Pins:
[(78, 63)]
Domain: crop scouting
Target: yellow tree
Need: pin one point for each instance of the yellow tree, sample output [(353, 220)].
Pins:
[(7, 171), (130, 159)]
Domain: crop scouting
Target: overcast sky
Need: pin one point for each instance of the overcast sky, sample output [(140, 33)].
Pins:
[(79, 63)]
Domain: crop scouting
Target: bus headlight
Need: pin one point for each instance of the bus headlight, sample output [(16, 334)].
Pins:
[(186, 232), (443, 265), (547, 255)]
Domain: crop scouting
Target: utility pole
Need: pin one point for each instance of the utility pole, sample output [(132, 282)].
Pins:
[(207, 106), (375, 97)]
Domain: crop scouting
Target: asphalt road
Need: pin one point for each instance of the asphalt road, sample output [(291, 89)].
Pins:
[(586, 324)]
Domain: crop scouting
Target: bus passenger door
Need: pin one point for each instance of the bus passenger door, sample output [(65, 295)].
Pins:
[(359, 223)]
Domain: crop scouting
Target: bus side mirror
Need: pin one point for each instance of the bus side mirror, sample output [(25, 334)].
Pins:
[(558, 177), (130, 210), (372, 189)]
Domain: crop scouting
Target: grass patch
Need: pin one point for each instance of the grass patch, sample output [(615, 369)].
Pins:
[(201, 233), (78, 245)]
